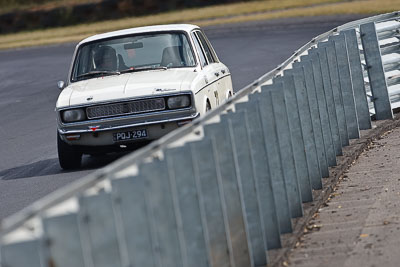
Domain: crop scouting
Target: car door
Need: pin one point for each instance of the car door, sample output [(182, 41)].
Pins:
[(208, 72), (222, 83)]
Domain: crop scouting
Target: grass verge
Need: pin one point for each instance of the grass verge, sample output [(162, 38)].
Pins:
[(353, 7), (220, 14)]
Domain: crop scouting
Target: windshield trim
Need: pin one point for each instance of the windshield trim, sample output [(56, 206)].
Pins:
[(79, 48)]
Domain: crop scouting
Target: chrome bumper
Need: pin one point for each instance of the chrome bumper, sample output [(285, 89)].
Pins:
[(125, 122)]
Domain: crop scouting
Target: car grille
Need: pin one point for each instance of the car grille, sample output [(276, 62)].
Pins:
[(126, 108)]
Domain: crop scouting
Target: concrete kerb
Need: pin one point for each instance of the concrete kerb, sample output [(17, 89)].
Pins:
[(278, 257)]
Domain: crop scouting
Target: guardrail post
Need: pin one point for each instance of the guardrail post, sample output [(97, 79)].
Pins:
[(297, 137), (268, 123), (230, 188), (63, 241), (276, 92), (346, 85), (360, 95), (307, 127), (327, 130), (306, 66), (268, 200), (330, 102), (129, 201), (186, 197), (237, 124), (98, 230), (376, 73), (21, 254), (161, 211), (211, 203), (329, 47)]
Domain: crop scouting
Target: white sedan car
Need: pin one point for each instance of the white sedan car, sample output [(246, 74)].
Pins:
[(136, 85)]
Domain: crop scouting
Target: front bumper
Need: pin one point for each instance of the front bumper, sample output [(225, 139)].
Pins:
[(125, 122), (100, 132)]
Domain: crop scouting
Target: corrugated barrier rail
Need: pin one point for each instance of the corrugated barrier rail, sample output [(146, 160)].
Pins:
[(221, 191)]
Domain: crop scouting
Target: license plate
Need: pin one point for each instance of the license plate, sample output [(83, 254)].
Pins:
[(130, 135)]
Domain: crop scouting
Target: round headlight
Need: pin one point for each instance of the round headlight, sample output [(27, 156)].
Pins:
[(73, 115), (181, 101)]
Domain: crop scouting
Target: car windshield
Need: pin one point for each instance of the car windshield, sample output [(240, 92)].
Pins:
[(132, 53)]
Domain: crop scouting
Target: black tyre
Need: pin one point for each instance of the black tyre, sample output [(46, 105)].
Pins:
[(68, 157), (208, 106)]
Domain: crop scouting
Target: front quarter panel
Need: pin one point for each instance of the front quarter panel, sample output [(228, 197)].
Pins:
[(199, 88), (64, 97)]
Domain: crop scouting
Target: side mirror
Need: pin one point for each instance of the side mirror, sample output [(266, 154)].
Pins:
[(60, 85)]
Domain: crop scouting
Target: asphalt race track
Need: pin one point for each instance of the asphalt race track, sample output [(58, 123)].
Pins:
[(28, 155)]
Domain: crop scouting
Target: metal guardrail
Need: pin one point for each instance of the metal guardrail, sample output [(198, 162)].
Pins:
[(219, 192)]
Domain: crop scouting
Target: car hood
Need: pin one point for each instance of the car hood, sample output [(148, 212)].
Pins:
[(129, 85)]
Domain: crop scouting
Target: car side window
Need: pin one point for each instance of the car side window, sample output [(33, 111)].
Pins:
[(202, 57), (207, 49), (210, 47)]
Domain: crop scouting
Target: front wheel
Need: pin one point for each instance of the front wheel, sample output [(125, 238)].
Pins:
[(68, 157), (208, 106)]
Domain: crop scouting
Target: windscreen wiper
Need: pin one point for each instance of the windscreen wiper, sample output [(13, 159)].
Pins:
[(143, 69), (98, 73)]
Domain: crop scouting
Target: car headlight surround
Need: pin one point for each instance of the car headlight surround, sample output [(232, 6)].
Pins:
[(73, 115), (181, 101)]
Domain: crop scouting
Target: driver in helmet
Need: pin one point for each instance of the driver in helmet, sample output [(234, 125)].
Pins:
[(105, 58)]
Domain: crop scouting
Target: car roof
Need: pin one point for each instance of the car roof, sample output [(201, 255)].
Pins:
[(156, 28)]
